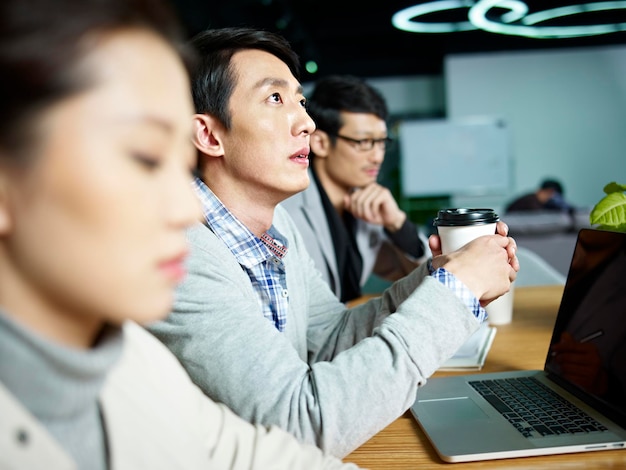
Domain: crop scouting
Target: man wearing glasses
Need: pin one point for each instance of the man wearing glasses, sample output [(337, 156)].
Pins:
[(351, 224)]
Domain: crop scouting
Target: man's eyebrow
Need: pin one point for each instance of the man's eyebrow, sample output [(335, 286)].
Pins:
[(277, 82)]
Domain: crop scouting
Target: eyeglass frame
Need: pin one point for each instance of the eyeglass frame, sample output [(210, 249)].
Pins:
[(359, 143)]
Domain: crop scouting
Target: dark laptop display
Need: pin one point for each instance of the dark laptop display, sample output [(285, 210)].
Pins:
[(587, 352)]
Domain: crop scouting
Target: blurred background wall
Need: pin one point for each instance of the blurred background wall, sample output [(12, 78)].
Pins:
[(566, 110)]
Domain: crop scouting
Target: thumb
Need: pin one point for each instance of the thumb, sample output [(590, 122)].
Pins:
[(434, 243)]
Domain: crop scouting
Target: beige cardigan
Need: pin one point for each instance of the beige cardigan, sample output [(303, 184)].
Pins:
[(157, 419)]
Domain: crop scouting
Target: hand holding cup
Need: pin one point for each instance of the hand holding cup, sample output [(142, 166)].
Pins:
[(473, 245)]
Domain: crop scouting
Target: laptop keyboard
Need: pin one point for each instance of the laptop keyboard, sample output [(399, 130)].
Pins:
[(533, 409)]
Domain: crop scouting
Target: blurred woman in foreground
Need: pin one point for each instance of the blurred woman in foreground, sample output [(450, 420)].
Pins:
[(95, 195)]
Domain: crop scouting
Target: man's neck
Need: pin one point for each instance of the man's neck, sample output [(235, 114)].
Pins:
[(258, 219), (255, 211)]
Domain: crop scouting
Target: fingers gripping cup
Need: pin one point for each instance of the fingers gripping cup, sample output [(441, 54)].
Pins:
[(456, 228)]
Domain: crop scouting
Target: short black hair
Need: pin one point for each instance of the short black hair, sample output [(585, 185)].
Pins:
[(336, 93), (213, 78), (552, 184)]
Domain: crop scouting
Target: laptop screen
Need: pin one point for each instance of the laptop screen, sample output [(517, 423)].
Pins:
[(587, 353)]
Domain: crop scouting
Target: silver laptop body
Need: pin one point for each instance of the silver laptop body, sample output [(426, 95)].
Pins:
[(586, 366)]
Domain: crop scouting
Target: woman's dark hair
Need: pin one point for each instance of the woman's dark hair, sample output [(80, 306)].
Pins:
[(213, 79), (42, 43)]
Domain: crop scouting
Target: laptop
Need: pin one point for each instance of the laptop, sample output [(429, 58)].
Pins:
[(577, 403)]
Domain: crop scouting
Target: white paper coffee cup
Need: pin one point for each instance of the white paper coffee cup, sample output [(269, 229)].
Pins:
[(500, 311), (453, 238), (456, 228)]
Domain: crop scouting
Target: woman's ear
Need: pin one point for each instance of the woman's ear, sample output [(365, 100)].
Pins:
[(206, 135)]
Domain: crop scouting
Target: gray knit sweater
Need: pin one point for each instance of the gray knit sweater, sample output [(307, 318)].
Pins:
[(60, 386), (335, 376)]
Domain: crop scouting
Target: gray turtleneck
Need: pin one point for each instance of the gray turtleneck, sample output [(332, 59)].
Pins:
[(60, 386)]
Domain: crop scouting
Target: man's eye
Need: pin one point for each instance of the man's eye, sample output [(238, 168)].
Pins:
[(304, 103), (275, 97)]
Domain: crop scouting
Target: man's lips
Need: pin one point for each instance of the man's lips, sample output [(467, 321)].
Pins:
[(301, 156)]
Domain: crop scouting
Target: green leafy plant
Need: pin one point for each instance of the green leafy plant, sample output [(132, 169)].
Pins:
[(610, 212)]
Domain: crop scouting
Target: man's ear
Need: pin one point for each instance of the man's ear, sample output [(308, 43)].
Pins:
[(207, 135), (320, 143)]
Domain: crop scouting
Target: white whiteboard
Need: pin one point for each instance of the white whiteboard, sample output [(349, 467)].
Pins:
[(457, 158)]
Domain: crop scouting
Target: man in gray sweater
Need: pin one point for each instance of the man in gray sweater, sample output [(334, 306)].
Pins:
[(254, 323)]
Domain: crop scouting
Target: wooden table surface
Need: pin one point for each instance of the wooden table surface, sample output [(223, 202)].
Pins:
[(522, 344)]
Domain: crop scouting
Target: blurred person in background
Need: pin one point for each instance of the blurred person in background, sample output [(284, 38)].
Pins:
[(550, 195)]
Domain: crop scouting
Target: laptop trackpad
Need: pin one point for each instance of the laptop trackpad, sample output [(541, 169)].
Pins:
[(457, 408)]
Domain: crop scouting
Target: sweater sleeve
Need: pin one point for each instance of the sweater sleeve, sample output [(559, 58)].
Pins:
[(407, 239), (335, 376)]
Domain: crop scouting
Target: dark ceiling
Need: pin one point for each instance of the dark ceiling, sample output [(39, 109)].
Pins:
[(357, 37)]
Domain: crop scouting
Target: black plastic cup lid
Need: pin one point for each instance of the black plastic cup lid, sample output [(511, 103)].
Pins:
[(460, 217)]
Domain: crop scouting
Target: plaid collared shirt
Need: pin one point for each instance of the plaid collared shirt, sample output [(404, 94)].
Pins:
[(448, 279), (260, 258)]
